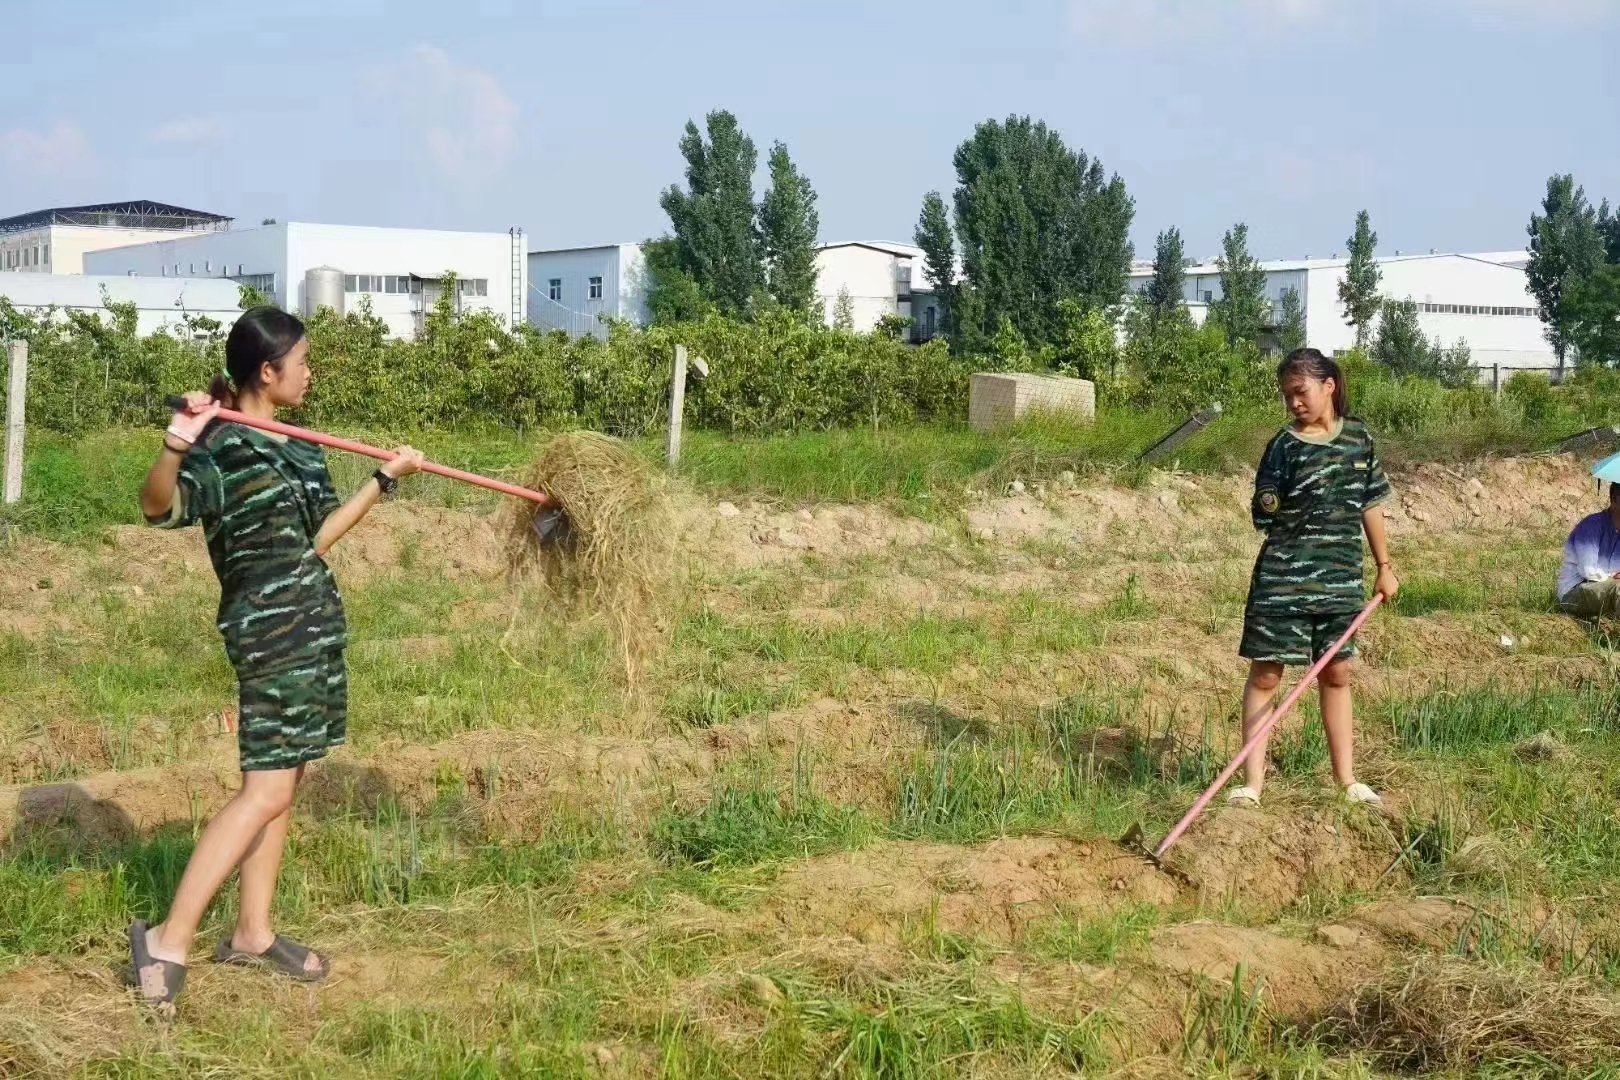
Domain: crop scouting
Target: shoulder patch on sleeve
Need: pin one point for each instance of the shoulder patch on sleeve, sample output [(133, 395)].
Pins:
[(1268, 500)]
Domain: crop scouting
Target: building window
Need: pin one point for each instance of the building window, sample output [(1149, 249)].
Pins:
[(595, 289), (265, 283), (1209, 297), (47, 254), (554, 289)]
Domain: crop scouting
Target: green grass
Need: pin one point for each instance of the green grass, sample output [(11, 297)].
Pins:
[(745, 824), (65, 892), (1458, 721), (1107, 938)]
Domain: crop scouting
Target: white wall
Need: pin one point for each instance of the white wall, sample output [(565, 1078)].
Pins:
[(574, 309), (160, 303), (868, 275), (362, 250), (289, 249), (633, 284), (261, 250), (1511, 340)]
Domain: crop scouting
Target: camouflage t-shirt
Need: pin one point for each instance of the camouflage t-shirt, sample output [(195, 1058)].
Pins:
[(1309, 495), (261, 500)]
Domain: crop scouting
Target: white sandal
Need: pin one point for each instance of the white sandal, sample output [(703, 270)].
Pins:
[(1244, 796), (1361, 793)]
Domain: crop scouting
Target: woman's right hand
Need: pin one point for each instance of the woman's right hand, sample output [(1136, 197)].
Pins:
[(189, 422), (406, 460)]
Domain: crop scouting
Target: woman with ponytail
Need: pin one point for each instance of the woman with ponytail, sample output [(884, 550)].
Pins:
[(269, 516), (1317, 491)]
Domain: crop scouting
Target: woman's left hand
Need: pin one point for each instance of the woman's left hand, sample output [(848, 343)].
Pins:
[(1387, 584)]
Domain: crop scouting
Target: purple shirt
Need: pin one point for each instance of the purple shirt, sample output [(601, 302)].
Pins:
[(1594, 544)]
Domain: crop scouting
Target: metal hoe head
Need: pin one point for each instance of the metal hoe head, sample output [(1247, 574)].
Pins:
[(551, 526), (1135, 841)]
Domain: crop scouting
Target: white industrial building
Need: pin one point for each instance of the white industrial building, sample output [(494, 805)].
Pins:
[(300, 265), (574, 289), (880, 279), (1482, 299), (161, 304), (55, 241)]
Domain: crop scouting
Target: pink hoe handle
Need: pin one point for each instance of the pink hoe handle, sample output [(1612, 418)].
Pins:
[(539, 498), (1264, 727)]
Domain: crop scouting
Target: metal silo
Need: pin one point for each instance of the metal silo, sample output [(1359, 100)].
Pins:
[(323, 287)]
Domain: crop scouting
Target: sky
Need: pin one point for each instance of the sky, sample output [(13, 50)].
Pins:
[(1443, 118)]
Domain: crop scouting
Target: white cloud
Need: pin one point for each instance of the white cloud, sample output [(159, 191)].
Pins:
[(467, 123), (189, 131), (61, 151)]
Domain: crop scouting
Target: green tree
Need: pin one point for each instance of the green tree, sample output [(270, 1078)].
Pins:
[(1240, 310), (1358, 292), (1164, 290), (716, 241), (1402, 347), (1087, 348), (843, 310), (672, 295), (1290, 320), (1592, 315), (933, 235), (1400, 344), (788, 226), (1609, 226), (249, 297), (1036, 223), (1565, 246)]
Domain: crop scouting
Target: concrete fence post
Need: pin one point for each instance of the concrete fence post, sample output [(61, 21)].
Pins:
[(677, 405), (1496, 380), (16, 404)]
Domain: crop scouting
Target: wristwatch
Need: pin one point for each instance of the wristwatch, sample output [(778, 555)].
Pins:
[(385, 483)]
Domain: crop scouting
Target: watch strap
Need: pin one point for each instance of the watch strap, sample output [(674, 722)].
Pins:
[(385, 483)]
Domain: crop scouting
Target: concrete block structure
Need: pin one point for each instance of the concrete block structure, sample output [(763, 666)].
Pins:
[(996, 398)]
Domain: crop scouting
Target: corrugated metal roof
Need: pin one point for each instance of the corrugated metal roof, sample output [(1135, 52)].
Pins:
[(137, 213)]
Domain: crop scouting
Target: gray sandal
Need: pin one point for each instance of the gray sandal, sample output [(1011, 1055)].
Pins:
[(284, 956), (158, 982)]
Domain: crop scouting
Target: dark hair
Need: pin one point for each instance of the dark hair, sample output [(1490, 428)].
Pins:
[(1314, 364), (262, 335)]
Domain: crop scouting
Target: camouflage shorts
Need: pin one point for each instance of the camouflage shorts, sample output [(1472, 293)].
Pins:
[(293, 715), (1294, 640)]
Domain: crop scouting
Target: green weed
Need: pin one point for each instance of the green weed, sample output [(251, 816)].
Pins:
[(1225, 1026), (745, 825), (1103, 939)]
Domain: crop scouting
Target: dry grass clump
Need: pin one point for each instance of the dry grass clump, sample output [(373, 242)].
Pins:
[(614, 562), (1450, 1013)]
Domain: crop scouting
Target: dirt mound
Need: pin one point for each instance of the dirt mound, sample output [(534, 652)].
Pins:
[(517, 776), (732, 537), (1268, 860), (1499, 493), (993, 891)]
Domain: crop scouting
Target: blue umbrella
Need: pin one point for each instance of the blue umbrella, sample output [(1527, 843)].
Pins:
[(1608, 469)]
